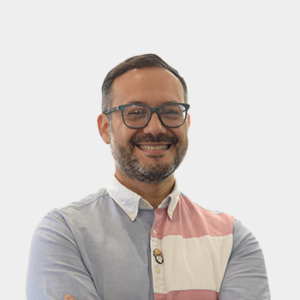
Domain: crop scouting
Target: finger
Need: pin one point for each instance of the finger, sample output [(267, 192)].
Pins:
[(69, 297)]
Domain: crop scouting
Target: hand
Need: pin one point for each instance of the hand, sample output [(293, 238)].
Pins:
[(69, 297)]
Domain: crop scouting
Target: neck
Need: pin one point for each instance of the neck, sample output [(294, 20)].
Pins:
[(154, 193)]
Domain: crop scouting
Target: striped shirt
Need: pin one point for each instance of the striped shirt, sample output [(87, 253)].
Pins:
[(112, 245)]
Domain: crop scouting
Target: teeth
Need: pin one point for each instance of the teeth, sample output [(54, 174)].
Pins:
[(149, 148)]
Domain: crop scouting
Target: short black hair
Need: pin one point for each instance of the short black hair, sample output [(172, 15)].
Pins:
[(135, 62)]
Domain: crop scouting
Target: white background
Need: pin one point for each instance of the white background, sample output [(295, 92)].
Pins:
[(240, 60)]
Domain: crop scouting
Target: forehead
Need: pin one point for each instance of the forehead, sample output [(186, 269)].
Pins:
[(153, 86)]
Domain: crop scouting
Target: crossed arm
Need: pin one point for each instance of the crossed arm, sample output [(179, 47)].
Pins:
[(56, 268)]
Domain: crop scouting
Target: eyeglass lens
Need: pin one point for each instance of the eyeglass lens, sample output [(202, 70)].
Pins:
[(172, 115)]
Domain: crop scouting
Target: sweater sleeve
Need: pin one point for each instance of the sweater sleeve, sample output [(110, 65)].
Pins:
[(55, 265), (245, 276)]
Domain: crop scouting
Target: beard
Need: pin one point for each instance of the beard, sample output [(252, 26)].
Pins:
[(155, 172)]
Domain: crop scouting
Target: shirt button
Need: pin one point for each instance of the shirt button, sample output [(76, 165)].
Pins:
[(157, 270), (144, 204), (132, 216), (170, 213), (154, 231)]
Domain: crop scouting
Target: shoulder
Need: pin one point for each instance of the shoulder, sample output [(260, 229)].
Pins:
[(88, 202), (80, 210), (71, 221), (210, 215), (211, 222)]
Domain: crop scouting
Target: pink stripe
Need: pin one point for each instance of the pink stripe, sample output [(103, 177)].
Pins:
[(188, 295), (185, 216)]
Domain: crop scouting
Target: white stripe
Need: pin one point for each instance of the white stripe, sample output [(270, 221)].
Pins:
[(194, 263)]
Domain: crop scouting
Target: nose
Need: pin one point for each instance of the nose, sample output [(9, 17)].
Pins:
[(155, 126)]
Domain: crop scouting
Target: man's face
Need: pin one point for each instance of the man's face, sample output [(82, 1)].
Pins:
[(149, 154)]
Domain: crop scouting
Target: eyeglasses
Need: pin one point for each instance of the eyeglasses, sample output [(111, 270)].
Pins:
[(138, 115)]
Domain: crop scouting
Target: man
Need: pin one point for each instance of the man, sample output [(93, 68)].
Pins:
[(140, 238)]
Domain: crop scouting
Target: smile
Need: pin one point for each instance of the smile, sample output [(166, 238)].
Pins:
[(152, 148)]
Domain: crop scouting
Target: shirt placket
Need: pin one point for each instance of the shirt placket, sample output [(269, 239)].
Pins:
[(158, 272)]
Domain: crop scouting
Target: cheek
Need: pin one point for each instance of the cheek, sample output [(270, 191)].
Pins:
[(123, 134), (181, 134)]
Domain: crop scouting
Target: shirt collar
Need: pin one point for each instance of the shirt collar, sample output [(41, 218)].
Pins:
[(131, 202)]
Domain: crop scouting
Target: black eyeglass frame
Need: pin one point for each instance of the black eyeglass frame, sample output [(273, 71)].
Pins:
[(152, 109)]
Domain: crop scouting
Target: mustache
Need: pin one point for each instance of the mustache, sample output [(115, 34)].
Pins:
[(149, 138)]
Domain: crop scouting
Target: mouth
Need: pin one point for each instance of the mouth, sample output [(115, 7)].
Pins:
[(154, 147)]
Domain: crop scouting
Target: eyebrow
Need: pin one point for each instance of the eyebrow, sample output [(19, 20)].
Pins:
[(140, 102), (135, 102)]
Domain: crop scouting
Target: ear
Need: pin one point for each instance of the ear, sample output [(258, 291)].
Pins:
[(103, 126), (189, 120)]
